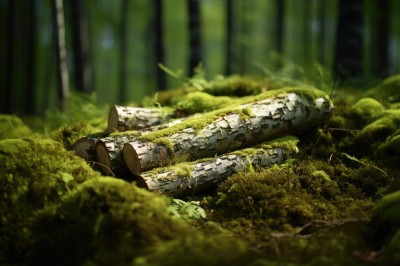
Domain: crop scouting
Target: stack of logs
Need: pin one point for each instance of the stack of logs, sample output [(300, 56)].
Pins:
[(180, 156)]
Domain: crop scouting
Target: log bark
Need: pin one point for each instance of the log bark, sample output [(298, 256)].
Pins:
[(192, 177), (86, 148), (286, 113), (108, 150), (123, 118)]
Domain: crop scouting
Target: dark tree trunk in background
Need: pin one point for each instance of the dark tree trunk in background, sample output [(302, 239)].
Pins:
[(279, 25), (159, 42), (31, 50), (229, 37), (321, 30), (61, 53), (83, 76), (123, 51), (196, 54), (379, 37), (6, 99), (349, 59)]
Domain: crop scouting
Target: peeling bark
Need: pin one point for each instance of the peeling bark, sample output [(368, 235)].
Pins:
[(252, 123), (186, 178), (122, 118)]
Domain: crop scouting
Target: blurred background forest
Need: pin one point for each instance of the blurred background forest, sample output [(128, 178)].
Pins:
[(112, 50)]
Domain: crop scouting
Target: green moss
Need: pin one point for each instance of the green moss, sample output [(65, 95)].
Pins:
[(71, 132), (34, 173), (288, 196), (236, 86), (388, 90), (12, 127), (199, 102), (109, 221), (381, 128), (367, 109)]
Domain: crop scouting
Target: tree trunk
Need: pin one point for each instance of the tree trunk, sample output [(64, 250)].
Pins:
[(122, 118), (191, 177), (123, 59), (229, 37), (80, 42), (196, 54), (159, 43), (284, 112), (61, 53), (350, 40)]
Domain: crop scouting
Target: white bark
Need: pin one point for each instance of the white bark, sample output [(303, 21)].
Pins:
[(200, 176), (122, 118)]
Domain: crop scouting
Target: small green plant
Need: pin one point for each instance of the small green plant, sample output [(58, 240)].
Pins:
[(187, 209)]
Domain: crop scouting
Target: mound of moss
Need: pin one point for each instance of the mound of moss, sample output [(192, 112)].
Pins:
[(34, 173), (12, 127), (109, 221), (287, 197), (367, 109)]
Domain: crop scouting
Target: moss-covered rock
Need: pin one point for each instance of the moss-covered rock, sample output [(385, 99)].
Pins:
[(367, 109), (388, 90), (34, 173), (12, 127)]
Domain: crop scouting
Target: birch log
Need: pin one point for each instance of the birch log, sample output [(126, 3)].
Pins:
[(122, 118), (288, 112), (191, 177), (109, 149)]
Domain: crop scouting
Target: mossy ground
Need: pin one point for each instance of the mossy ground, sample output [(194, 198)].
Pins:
[(336, 202)]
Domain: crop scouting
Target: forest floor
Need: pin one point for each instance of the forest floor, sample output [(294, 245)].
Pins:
[(335, 202)]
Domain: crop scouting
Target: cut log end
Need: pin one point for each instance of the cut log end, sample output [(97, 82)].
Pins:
[(85, 148), (112, 120), (103, 157), (131, 159)]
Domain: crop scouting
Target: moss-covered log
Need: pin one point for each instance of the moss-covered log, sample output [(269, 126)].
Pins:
[(191, 177), (122, 118), (273, 114)]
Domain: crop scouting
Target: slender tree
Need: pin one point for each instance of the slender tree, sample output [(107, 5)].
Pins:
[(80, 46), (30, 70), (9, 47), (229, 37), (123, 51), (159, 42), (349, 59), (279, 25), (378, 11), (61, 53), (196, 53)]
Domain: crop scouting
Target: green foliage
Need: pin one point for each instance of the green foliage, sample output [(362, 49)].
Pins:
[(187, 209)]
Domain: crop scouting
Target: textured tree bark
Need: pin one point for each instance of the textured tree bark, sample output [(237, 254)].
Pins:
[(109, 149), (85, 147), (249, 124), (122, 118), (191, 177)]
